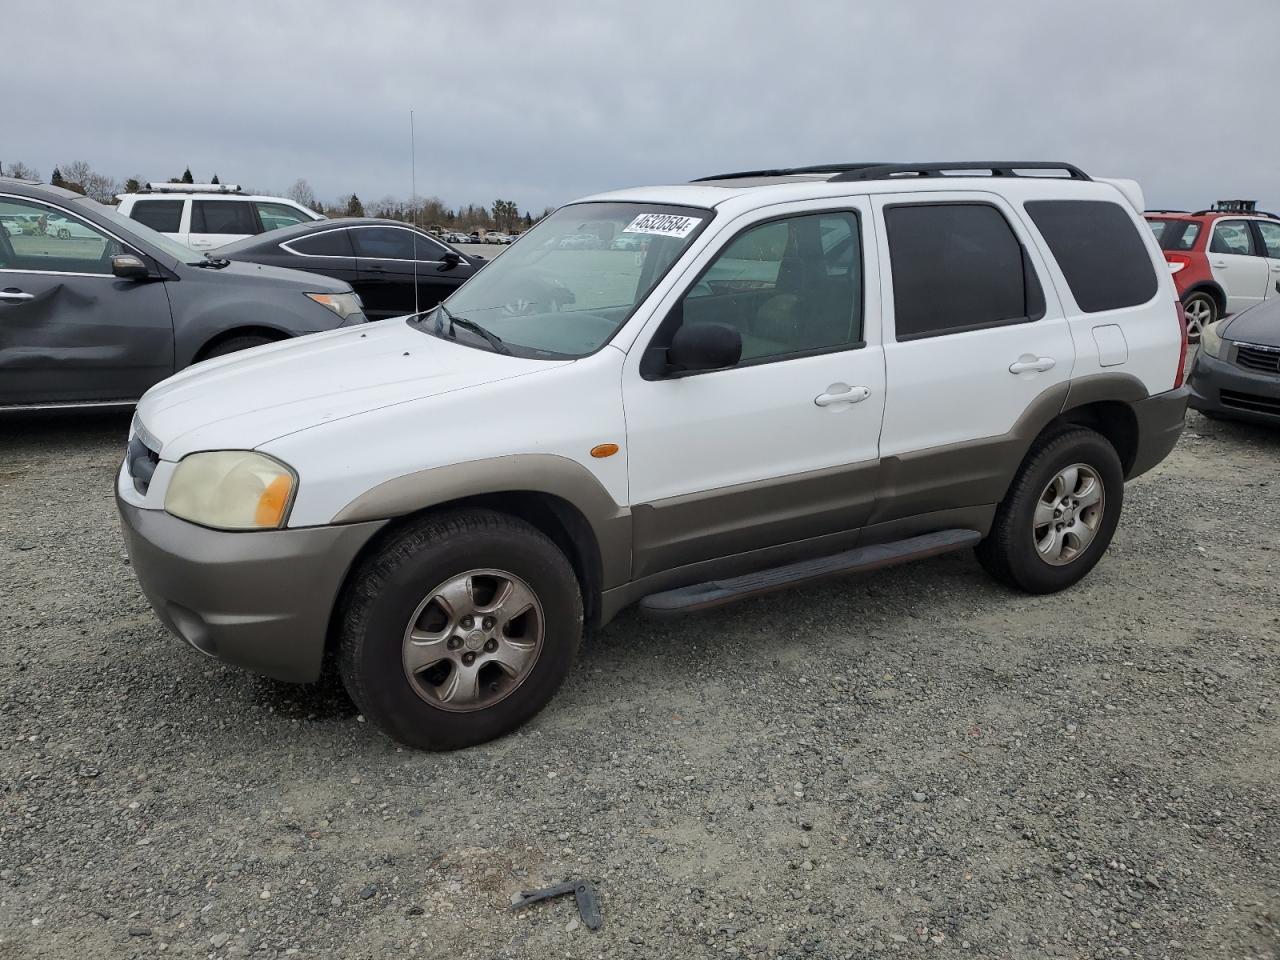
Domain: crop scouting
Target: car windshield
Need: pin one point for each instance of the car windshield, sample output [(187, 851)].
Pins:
[(144, 233), (573, 279)]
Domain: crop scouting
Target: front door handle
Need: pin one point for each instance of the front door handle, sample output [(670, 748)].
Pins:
[(842, 393), (1029, 363), (12, 294)]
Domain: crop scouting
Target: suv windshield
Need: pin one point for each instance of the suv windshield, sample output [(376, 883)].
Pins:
[(572, 280)]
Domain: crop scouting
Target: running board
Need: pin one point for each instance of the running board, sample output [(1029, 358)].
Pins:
[(714, 593)]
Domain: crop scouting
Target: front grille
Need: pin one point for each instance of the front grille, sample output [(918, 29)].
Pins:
[(141, 461), (1258, 358), (1250, 402)]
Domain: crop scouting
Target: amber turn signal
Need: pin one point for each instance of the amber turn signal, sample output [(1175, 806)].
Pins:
[(602, 450)]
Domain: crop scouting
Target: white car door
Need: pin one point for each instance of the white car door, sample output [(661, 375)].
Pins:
[(1237, 264), (218, 221), (973, 337), (782, 446), (1270, 233)]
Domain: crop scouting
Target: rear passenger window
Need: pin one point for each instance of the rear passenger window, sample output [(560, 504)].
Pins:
[(223, 216), (957, 266), (1099, 250), (164, 216), (331, 243), (1232, 236)]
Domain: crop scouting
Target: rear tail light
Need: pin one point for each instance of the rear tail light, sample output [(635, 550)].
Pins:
[(1182, 353), (1177, 261)]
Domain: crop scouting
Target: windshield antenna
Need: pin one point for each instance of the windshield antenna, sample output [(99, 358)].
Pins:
[(413, 203)]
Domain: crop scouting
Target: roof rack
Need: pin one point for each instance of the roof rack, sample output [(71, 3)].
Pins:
[(191, 188), (1166, 211), (1238, 213), (887, 171)]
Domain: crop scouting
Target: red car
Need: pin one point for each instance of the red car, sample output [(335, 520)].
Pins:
[(1222, 261)]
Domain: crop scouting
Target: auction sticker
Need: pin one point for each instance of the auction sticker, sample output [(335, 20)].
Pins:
[(664, 225)]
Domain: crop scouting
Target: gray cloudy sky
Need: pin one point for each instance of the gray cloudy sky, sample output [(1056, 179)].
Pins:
[(541, 101)]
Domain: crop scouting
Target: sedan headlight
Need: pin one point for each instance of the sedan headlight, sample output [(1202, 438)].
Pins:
[(231, 490), (343, 304), (1211, 339)]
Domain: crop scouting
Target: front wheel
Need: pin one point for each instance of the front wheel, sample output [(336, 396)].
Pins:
[(1059, 515), (459, 629)]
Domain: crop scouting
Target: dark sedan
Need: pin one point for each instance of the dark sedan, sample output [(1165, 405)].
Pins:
[(1237, 368), (379, 258)]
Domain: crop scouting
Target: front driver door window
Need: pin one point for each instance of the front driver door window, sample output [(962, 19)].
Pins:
[(784, 445)]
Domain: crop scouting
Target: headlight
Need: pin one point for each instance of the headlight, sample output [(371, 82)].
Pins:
[(231, 490), (1211, 339), (343, 304)]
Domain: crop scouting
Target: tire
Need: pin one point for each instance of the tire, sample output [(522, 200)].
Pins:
[(1201, 310), (234, 345), (1011, 552), (400, 588)]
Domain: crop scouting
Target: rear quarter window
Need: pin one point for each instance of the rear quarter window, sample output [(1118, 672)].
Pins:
[(1100, 252), (162, 215)]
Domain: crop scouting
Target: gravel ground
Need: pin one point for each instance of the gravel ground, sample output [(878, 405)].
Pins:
[(914, 762)]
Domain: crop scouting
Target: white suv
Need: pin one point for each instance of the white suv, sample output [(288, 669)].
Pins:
[(797, 373), (204, 216)]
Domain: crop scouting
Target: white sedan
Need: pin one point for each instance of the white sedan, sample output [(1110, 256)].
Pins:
[(66, 229)]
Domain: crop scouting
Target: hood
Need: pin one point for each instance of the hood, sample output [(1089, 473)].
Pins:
[(245, 400), (1260, 324), (239, 271)]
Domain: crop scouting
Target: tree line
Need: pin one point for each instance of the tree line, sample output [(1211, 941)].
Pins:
[(429, 212)]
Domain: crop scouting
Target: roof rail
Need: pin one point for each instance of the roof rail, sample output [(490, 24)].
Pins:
[(994, 168), (191, 188), (788, 171), (887, 171), (1166, 211), (1238, 213)]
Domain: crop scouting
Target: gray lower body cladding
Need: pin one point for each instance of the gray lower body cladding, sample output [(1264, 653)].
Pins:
[(260, 600)]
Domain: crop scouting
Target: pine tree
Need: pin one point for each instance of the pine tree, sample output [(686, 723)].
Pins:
[(56, 179), (186, 176), (354, 207), (215, 179)]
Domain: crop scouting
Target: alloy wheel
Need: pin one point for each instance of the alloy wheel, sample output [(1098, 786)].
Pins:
[(473, 640), (1068, 514), (1199, 313)]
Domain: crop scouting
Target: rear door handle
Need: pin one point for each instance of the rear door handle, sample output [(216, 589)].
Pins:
[(15, 295), (1220, 264), (842, 393), (1029, 363)]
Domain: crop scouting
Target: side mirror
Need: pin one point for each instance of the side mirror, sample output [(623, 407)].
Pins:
[(449, 261), (128, 267), (704, 346)]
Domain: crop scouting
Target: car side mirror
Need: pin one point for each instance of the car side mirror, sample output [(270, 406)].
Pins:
[(128, 267), (450, 260), (704, 346)]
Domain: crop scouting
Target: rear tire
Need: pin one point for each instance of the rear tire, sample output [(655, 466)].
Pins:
[(430, 649), (234, 345), (1059, 515), (1201, 310)]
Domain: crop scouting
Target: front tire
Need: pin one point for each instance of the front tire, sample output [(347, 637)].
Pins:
[(1059, 515), (459, 629), (1200, 310), (234, 345)]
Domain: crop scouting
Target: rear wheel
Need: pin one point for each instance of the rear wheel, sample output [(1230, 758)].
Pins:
[(1201, 310), (1059, 515), (459, 629)]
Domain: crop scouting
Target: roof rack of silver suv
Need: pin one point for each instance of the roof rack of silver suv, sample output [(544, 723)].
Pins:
[(191, 188), (886, 171)]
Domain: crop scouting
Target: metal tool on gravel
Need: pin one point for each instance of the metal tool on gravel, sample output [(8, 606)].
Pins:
[(583, 893)]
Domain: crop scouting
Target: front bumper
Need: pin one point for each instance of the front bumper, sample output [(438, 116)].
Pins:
[(1230, 391), (1160, 421), (260, 600)]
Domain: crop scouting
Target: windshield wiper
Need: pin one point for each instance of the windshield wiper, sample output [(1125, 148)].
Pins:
[(212, 262), (444, 313)]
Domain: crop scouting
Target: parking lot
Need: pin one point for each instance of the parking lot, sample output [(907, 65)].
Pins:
[(910, 762)]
